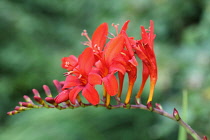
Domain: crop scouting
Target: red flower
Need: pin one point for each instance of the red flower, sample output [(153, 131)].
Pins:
[(128, 60), (130, 64), (69, 63), (107, 66), (98, 40), (81, 79), (145, 51)]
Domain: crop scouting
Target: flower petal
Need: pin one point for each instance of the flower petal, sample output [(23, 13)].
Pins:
[(94, 79), (91, 94), (113, 48), (110, 84), (71, 81), (74, 92), (125, 26), (86, 61), (128, 44), (69, 63), (133, 61), (62, 96), (152, 35), (99, 36), (117, 67)]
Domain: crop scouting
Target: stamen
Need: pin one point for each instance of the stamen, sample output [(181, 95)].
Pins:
[(123, 53), (116, 27), (67, 63), (80, 76), (67, 73), (86, 43), (111, 35), (85, 34)]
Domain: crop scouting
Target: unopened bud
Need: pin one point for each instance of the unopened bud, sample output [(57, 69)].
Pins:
[(204, 138), (26, 104), (28, 99), (57, 85), (47, 91), (158, 106), (38, 99), (13, 112), (138, 101), (50, 100), (176, 114), (36, 92), (20, 108)]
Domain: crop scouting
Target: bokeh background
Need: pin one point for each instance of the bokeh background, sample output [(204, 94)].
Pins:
[(36, 34)]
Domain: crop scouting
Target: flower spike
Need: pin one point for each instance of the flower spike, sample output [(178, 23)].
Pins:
[(99, 64)]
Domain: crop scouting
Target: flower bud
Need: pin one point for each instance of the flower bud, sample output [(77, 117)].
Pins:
[(176, 114)]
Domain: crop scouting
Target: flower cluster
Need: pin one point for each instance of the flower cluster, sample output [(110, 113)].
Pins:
[(105, 62)]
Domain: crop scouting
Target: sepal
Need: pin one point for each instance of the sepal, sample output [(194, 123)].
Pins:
[(149, 106)]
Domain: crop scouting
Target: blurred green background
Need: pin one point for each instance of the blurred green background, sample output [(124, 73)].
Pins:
[(36, 34)]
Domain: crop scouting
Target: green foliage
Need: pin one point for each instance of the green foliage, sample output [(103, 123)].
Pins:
[(35, 35)]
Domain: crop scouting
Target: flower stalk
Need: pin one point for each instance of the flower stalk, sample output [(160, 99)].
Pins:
[(98, 64)]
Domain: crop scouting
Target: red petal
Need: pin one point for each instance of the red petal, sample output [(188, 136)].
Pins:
[(62, 96), (73, 93), (152, 35), (133, 61), (113, 48), (150, 53), (94, 79), (128, 44), (111, 84), (99, 36), (117, 67), (91, 94), (69, 63), (132, 74), (145, 74), (125, 26), (86, 61), (71, 81)]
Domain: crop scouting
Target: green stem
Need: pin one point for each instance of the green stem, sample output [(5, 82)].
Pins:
[(175, 116)]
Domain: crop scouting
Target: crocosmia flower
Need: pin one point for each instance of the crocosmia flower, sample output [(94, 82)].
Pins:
[(145, 51), (81, 79), (69, 63), (106, 60)]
